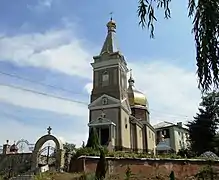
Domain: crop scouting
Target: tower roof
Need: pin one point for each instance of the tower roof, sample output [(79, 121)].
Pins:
[(110, 45), (136, 97)]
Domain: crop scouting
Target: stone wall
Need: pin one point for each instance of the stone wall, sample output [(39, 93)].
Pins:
[(143, 168), (15, 162)]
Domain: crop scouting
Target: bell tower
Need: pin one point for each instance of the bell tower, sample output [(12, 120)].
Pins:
[(109, 93), (109, 68)]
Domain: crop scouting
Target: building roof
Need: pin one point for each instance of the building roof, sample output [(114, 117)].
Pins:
[(163, 125), (166, 124), (110, 44)]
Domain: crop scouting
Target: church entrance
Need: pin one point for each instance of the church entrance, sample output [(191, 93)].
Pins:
[(104, 136), (105, 130)]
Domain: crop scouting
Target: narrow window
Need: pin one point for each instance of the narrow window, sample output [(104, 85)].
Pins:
[(115, 76), (126, 123), (105, 79), (96, 79)]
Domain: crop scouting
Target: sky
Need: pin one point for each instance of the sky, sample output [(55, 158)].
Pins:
[(46, 47)]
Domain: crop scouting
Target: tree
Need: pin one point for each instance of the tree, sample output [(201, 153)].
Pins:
[(215, 144), (69, 150), (93, 140), (202, 129), (83, 144), (101, 168), (172, 175), (205, 15)]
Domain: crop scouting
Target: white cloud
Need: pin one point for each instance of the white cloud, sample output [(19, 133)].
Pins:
[(58, 50), (46, 3), (171, 90), (41, 5), (33, 133), (37, 101), (88, 87)]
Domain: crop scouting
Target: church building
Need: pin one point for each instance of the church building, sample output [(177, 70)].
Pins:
[(117, 110)]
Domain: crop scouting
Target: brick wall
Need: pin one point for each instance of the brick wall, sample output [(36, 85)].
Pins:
[(144, 168)]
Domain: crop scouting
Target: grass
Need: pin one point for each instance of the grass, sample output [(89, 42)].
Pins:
[(58, 176)]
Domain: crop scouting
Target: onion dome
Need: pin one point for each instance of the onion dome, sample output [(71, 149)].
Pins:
[(136, 97)]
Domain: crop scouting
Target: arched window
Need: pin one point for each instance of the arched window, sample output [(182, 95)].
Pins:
[(105, 79)]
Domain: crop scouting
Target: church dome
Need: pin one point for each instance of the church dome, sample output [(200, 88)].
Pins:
[(136, 97)]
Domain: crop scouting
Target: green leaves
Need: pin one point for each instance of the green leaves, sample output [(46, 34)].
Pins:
[(205, 15), (146, 13), (191, 7), (205, 29), (93, 140), (101, 168), (202, 129), (69, 148)]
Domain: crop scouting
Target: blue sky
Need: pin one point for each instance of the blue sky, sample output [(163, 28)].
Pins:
[(53, 41)]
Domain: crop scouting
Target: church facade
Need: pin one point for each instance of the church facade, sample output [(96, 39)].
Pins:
[(117, 110)]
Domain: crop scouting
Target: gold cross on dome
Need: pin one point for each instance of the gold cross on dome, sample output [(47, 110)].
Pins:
[(130, 73), (49, 130), (111, 16)]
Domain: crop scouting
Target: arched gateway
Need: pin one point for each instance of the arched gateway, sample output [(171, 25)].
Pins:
[(59, 165)]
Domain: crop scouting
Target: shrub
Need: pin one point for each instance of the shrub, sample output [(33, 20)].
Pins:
[(186, 153), (172, 176), (93, 140), (101, 166), (208, 172), (88, 177), (87, 151)]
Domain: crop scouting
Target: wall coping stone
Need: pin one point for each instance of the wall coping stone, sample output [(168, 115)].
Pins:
[(150, 159)]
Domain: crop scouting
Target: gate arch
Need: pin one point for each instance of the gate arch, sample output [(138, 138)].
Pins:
[(59, 154)]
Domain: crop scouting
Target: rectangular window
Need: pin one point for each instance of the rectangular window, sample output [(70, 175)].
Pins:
[(167, 135), (105, 79), (180, 144), (158, 134), (113, 131), (164, 132)]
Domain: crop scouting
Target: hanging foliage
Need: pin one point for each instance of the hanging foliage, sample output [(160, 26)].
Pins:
[(205, 14)]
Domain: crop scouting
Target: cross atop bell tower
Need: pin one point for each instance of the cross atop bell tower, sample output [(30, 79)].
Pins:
[(111, 16), (110, 45)]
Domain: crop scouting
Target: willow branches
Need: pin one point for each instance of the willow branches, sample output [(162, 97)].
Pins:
[(205, 14)]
